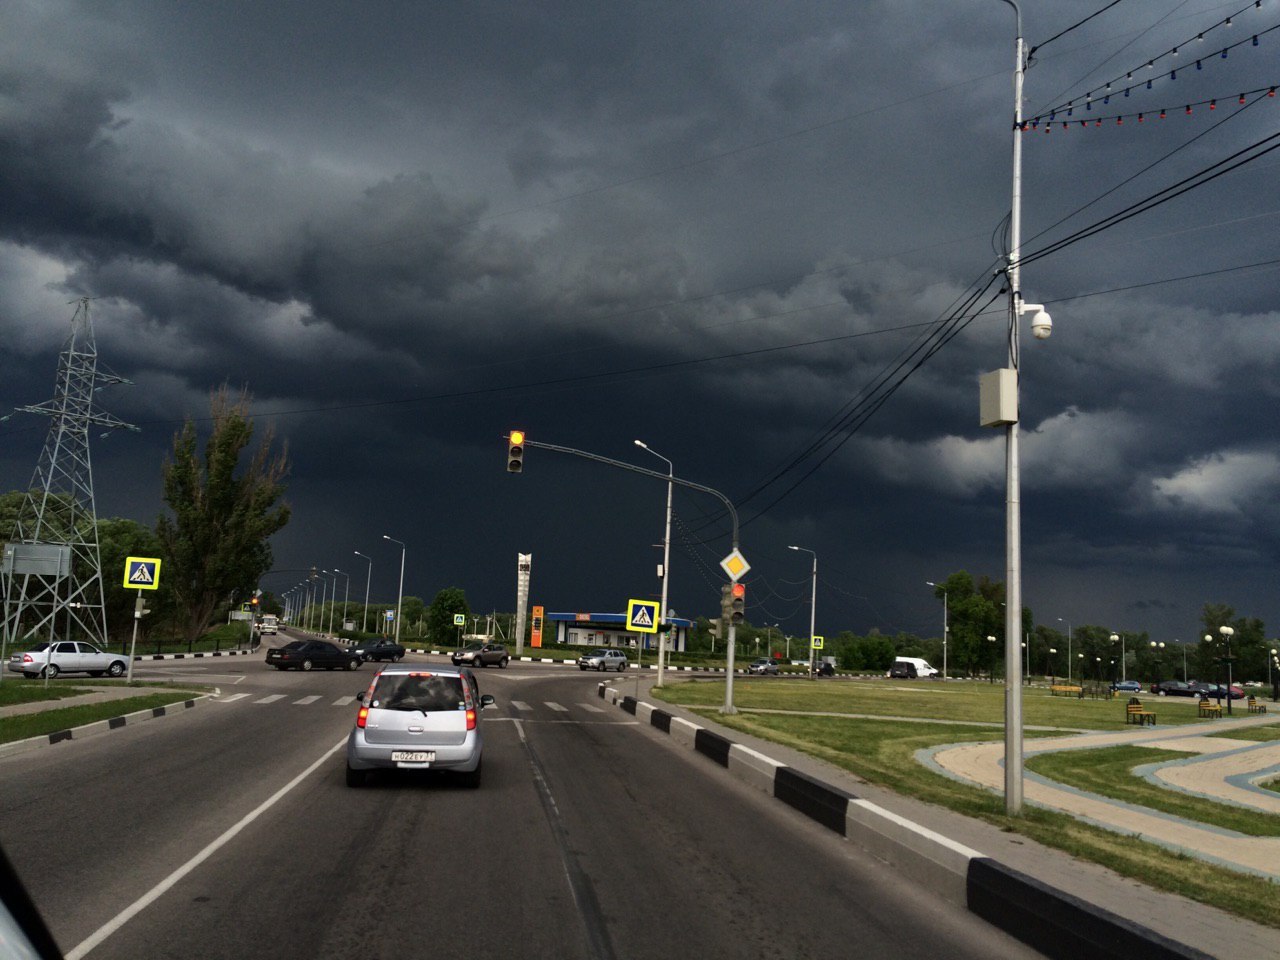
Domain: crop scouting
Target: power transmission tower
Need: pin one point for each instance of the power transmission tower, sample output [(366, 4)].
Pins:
[(51, 566)]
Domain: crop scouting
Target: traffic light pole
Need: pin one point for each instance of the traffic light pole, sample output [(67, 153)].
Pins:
[(665, 478)]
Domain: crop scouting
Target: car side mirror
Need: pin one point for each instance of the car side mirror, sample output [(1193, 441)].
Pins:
[(486, 700), (360, 697)]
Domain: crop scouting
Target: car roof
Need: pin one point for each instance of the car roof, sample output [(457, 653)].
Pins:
[(438, 670)]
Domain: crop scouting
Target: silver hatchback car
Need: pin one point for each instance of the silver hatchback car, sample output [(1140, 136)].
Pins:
[(413, 718)]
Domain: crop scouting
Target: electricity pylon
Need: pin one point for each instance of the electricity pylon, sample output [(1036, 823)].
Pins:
[(52, 567)]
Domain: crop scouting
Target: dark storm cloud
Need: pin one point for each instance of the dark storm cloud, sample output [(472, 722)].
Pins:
[(524, 214)]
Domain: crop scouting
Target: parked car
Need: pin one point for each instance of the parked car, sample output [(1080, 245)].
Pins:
[(481, 655), (902, 670), (308, 654), (67, 656), (1126, 686), (763, 665), (1216, 690), (415, 719), (604, 658), (378, 649), (1174, 688)]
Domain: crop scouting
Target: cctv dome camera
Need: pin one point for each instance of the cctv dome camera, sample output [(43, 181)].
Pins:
[(1041, 324)]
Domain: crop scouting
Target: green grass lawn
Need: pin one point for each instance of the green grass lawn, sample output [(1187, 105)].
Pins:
[(14, 691), (954, 700), (1257, 734), (26, 725), (882, 750)]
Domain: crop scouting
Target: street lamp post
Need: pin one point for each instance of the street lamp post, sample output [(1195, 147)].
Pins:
[(813, 608), (346, 595), (666, 558), (945, 625), (368, 578), (324, 587), (1068, 623), (1053, 655), (1114, 638), (1227, 634), (400, 592), (333, 598), (1158, 650), (1270, 660)]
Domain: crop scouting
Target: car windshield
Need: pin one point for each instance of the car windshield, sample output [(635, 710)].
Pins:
[(417, 691), (474, 646), (600, 653)]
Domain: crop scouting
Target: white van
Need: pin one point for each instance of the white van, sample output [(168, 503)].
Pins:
[(269, 624), (906, 667)]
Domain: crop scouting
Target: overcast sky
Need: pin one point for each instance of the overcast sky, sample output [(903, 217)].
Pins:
[(409, 227)]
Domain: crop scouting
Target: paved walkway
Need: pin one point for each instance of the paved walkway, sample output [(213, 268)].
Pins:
[(95, 695), (1224, 770)]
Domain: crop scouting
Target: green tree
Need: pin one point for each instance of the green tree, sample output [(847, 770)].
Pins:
[(215, 544), (447, 602), (119, 538)]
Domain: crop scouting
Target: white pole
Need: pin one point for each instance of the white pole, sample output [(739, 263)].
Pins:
[(1013, 496), (666, 557), (368, 578), (400, 593)]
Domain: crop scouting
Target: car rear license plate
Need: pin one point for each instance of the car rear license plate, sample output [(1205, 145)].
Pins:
[(413, 756)]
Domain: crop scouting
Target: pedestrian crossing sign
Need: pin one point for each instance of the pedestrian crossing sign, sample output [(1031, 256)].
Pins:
[(642, 615), (142, 573), (459, 619)]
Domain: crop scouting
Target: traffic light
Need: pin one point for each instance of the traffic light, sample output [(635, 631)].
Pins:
[(254, 601), (726, 602), (515, 451), (739, 603)]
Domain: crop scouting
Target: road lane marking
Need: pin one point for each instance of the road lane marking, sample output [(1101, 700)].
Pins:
[(305, 700), (556, 707), (271, 699), (590, 708), (343, 701), (154, 894), (521, 705), (234, 697)]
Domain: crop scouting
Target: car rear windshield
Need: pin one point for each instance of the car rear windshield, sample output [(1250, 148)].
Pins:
[(413, 691)]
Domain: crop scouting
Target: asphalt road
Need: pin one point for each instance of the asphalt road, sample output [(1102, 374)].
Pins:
[(228, 831)]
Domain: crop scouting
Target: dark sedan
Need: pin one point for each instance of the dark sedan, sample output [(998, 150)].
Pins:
[(309, 654), (1174, 688), (379, 650)]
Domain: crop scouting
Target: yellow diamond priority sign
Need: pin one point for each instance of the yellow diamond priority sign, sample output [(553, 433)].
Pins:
[(735, 565), (642, 615), (142, 573)]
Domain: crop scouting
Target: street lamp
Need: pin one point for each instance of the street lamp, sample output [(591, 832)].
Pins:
[(1053, 655), (368, 577), (1269, 683), (991, 669), (666, 556), (945, 624), (1227, 634), (813, 606), (346, 595), (1068, 623), (400, 593), (1158, 650), (333, 598), (1114, 638)]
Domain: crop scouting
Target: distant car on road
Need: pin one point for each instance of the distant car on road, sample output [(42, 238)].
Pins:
[(1206, 689), (604, 658), (1174, 688), (416, 719), (1127, 686), (309, 654), (481, 655), (762, 665), (378, 649), (67, 656)]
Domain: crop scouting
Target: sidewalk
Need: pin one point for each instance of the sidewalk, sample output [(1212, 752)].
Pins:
[(97, 695)]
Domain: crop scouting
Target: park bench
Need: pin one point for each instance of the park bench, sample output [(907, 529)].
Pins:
[(1255, 706), (1208, 709), (1133, 713), (1066, 690)]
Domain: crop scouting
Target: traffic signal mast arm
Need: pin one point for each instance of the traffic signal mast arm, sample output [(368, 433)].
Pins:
[(664, 477)]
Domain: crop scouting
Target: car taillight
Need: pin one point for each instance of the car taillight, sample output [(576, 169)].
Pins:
[(361, 717), (26, 658), (471, 719)]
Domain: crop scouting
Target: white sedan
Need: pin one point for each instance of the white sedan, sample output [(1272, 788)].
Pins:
[(68, 656)]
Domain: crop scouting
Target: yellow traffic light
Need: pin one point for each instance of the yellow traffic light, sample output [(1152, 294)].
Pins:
[(515, 451)]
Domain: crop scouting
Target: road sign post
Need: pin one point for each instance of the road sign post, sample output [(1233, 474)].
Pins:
[(144, 574)]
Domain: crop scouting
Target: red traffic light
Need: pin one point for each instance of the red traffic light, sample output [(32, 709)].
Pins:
[(739, 589)]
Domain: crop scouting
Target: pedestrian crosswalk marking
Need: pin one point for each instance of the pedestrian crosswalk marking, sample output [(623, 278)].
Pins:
[(343, 701), (520, 705), (271, 699), (556, 707), (590, 708), (234, 697), (304, 701)]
